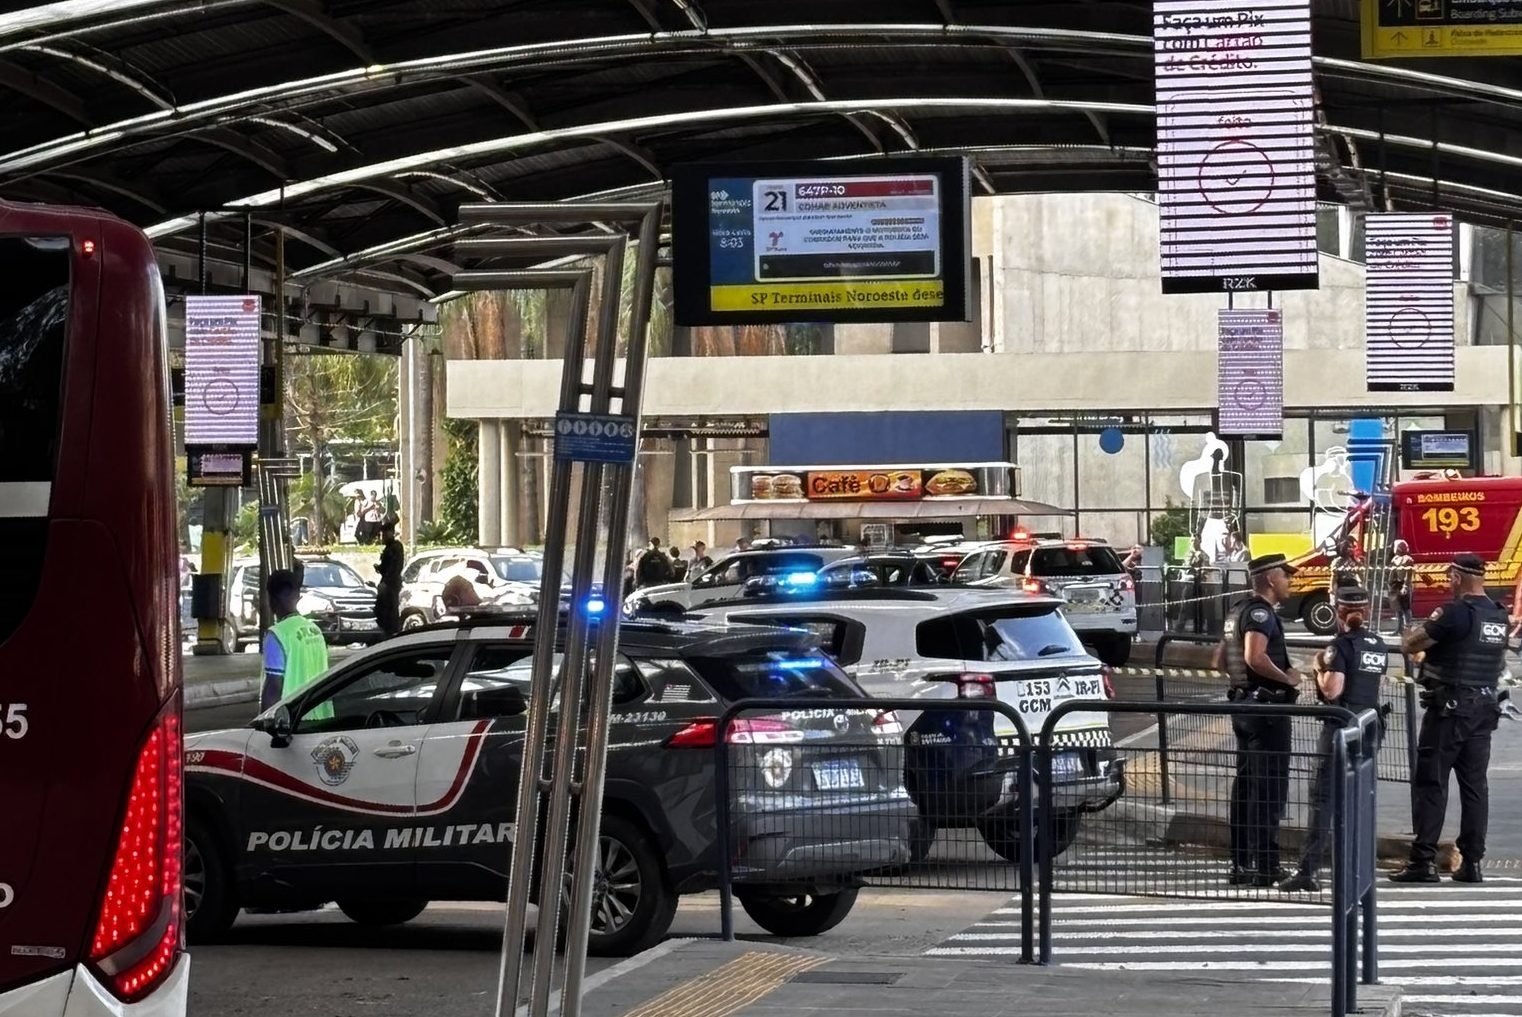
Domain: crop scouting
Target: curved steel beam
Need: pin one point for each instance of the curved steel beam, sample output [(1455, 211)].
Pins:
[(400, 193), (100, 63), (313, 14), (364, 175), (41, 90), (740, 42)]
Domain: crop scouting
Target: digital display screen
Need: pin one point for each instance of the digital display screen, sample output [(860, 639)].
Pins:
[(218, 469), (1408, 302), (821, 241), (1250, 373), (1425, 450), (1236, 161), (222, 371)]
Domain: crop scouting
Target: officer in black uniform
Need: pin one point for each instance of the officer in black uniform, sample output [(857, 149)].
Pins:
[(1258, 663), (1348, 673), (1465, 646)]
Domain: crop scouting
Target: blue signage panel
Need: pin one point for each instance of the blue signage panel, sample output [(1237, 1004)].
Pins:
[(595, 438)]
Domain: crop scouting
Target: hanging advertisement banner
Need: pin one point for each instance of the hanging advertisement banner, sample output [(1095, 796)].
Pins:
[(1408, 301), (1250, 373), (1236, 164), (221, 372)]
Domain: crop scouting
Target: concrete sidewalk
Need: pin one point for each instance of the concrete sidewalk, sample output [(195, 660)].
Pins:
[(705, 978)]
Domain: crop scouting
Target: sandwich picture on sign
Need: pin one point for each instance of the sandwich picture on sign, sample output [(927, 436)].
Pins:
[(951, 482)]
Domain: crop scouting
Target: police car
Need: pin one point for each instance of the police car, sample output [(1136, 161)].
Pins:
[(405, 794), (950, 642), (1098, 594), (729, 575)]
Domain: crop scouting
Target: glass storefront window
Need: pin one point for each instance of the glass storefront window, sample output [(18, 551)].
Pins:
[(1112, 480)]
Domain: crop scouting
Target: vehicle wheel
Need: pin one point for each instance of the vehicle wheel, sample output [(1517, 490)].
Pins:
[(382, 912), (413, 620), (807, 914), (921, 838), (210, 900), (1113, 650), (1319, 615), (632, 905), (1002, 834)]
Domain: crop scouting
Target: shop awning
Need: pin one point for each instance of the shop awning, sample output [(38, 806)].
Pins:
[(928, 509)]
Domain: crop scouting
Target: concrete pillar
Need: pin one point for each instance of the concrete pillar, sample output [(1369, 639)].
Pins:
[(862, 339), (489, 484), (511, 442)]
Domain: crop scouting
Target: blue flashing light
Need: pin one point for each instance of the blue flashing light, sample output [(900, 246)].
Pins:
[(802, 578), (596, 605), (801, 664)]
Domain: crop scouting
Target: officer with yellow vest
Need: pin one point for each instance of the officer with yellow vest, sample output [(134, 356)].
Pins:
[(295, 652)]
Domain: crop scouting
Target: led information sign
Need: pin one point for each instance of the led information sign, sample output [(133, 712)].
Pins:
[(768, 242), (1426, 450), (221, 371), (1408, 302), (1250, 373), (1235, 145), (1441, 28)]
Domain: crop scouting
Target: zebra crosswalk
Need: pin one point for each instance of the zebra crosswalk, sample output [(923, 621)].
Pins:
[(1454, 950)]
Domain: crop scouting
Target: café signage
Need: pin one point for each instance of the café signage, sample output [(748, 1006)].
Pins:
[(881, 483)]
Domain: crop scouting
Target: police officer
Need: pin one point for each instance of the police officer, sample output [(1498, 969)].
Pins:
[(1465, 646), (1348, 673), (1258, 662), (295, 652)]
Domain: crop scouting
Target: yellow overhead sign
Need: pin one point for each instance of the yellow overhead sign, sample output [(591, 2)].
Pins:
[(1394, 29)]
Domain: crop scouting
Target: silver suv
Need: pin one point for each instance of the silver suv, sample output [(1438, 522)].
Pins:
[(1098, 594)]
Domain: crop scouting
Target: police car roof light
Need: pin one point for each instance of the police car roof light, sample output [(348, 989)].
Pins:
[(596, 605), (802, 578)]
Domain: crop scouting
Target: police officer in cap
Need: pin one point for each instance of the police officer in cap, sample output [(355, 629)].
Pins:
[(1465, 646), (1258, 662), (1348, 673)]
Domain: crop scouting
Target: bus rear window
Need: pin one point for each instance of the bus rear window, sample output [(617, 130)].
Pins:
[(34, 311)]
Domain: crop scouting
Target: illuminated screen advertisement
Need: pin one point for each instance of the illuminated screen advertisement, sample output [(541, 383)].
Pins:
[(784, 242)]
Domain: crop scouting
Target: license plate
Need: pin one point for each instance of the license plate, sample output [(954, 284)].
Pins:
[(366, 625), (1066, 764), (841, 775)]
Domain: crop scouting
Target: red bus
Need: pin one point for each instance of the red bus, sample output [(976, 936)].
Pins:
[(90, 746)]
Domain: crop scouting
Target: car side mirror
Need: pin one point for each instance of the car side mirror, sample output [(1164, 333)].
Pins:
[(279, 727)]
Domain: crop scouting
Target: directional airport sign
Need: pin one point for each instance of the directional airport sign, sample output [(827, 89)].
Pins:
[(1236, 145), (595, 438), (1398, 29)]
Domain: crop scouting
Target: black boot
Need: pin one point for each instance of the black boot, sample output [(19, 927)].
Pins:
[(1469, 872), (1271, 877), (1242, 877), (1304, 880), (1415, 873)]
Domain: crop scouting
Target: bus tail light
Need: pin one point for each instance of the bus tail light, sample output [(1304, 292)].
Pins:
[(139, 932)]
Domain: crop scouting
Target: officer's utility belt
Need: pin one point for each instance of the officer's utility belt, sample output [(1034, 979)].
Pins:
[(1275, 694)]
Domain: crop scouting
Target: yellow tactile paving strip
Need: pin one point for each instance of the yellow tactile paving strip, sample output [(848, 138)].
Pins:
[(728, 989)]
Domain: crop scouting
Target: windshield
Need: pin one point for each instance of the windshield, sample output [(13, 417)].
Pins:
[(773, 674), (518, 570), (1075, 560), (1029, 637), (329, 573)]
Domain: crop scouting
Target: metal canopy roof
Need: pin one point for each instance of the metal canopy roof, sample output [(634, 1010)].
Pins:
[(363, 124)]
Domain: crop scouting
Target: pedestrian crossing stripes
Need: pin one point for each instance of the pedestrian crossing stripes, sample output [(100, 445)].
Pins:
[(1452, 949)]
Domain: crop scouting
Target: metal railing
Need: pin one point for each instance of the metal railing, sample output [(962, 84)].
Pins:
[(953, 776), (1346, 778), (1397, 712)]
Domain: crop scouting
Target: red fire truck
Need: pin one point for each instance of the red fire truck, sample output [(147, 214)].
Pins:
[(1438, 516)]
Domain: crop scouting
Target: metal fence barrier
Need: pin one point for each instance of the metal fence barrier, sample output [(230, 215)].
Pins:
[(863, 800), (1397, 696), (1232, 811)]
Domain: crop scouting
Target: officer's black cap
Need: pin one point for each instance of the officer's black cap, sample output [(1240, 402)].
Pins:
[(1352, 596), (1469, 564), (1268, 562)]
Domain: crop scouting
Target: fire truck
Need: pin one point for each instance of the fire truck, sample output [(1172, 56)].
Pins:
[(1438, 516)]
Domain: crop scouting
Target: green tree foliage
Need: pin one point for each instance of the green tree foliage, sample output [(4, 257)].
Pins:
[(336, 396), (303, 498), (1172, 522), (458, 508)]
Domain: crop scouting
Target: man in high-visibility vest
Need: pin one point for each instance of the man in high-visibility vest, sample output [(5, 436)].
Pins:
[(295, 652)]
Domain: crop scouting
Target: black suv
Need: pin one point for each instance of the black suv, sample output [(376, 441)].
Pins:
[(395, 784)]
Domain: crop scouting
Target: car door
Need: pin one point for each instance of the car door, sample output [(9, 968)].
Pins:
[(720, 582), (332, 810), (468, 773)]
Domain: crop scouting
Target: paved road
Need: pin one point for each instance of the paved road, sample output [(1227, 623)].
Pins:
[(1451, 948), (445, 964)]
